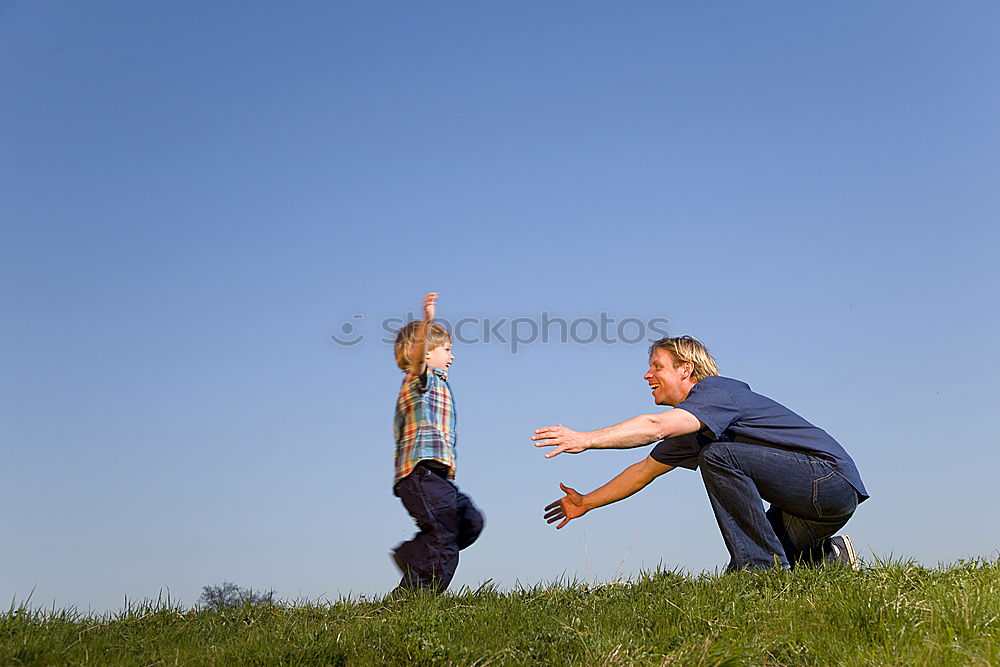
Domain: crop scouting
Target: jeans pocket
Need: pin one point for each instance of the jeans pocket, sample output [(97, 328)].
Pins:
[(833, 496)]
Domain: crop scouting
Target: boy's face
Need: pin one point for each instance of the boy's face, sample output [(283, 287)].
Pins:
[(440, 357)]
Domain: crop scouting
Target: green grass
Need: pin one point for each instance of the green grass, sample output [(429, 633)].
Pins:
[(891, 613)]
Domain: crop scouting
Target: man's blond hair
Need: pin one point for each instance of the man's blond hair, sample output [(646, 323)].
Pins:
[(406, 339), (686, 348)]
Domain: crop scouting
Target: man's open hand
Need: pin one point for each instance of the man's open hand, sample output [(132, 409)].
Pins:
[(566, 508), (562, 438)]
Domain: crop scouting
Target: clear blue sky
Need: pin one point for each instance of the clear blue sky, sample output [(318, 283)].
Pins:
[(196, 195)]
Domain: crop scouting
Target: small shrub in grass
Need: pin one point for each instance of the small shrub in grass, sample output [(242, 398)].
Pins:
[(229, 595)]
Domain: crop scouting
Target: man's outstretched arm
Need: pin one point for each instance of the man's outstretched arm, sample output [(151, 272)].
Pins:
[(634, 432), (632, 479)]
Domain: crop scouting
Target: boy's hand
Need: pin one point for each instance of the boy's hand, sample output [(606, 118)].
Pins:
[(430, 300), (566, 508), (564, 439)]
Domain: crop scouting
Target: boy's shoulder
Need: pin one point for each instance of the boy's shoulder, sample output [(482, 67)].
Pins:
[(423, 381)]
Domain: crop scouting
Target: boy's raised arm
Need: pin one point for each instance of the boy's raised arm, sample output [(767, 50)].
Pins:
[(418, 353)]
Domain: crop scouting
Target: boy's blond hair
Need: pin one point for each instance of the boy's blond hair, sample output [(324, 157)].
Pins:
[(406, 339), (686, 348)]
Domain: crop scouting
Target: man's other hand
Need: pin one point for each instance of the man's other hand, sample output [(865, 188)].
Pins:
[(566, 508)]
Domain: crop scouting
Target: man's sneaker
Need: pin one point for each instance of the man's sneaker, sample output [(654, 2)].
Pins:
[(843, 551)]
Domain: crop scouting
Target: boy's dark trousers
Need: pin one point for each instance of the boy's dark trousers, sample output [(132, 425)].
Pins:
[(448, 522)]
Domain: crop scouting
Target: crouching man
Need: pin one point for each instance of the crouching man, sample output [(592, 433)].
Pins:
[(750, 449)]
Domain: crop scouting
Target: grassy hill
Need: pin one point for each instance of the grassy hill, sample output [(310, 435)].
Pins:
[(889, 613)]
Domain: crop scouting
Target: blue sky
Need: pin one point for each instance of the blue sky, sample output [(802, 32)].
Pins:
[(196, 196)]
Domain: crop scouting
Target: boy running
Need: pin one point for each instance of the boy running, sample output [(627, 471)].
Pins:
[(425, 458)]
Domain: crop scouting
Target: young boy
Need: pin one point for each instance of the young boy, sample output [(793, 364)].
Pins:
[(425, 458)]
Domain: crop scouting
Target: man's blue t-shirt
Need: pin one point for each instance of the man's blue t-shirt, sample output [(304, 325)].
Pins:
[(733, 413)]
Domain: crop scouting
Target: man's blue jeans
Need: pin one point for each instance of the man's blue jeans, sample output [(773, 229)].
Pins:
[(809, 501)]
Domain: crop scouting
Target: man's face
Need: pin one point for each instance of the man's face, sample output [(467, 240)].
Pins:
[(440, 357), (670, 384)]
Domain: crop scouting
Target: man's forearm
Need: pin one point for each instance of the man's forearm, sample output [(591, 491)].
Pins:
[(643, 430), (631, 480), (634, 432)]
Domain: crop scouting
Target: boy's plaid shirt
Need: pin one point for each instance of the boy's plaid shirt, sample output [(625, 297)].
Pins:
[(425, 422)]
